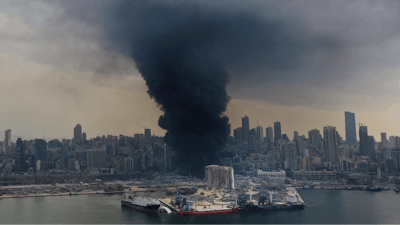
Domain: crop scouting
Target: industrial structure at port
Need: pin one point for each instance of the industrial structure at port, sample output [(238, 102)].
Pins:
[(222, 194), (220, 177)]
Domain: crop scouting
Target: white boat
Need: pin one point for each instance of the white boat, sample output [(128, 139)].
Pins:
[(140, 203)]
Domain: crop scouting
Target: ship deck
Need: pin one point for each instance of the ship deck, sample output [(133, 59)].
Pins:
[(199, 205)]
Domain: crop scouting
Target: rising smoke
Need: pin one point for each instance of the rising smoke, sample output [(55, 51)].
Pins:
[(186, 51)]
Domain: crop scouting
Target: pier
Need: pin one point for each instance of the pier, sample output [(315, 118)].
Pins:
[(292, 191)]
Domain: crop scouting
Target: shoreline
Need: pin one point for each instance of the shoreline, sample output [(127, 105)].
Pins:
[(60, 194), (72, 193)]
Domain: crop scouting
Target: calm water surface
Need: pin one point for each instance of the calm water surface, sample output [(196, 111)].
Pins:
[(322, 206)]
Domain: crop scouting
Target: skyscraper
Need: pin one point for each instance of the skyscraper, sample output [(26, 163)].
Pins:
[(78, 132), (295, 135), (7, 138), (350, 126), (383, 137), (270, 135), (278, 132), (371, 145), (19, 156), (252, 139), (246, 129), (314, 137), (260, 134), (285, 137), (364, 141), (40, 146), (147, 134), (237, 134), (330, 145)]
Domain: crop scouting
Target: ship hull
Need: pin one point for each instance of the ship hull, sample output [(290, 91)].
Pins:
[(234, 210), (148, 208), (270, 207)]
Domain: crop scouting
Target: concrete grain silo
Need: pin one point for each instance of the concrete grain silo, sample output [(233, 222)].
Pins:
[(220, 177)]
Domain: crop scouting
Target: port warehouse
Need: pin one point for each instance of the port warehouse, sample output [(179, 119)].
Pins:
[(295, 175)]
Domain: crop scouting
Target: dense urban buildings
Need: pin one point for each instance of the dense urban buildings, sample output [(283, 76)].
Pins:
[(96, 158), (322, 155)]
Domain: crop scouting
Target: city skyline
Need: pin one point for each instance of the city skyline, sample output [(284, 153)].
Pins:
[(245, 120)]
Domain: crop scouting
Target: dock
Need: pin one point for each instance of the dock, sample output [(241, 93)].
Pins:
[(292, 191)]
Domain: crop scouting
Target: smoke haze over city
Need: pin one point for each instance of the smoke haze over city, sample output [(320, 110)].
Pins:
[(300, 62)]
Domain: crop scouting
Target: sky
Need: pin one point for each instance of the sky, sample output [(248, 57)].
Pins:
[(301, 62)]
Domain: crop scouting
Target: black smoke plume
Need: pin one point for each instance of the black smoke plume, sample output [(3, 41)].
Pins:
[(186, 51)]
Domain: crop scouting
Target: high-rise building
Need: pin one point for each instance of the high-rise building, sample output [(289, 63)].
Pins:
[(392, 141), (83, 136), (7, 138), (397, 142), (350, 126), (78, 132), (19, 156), (314, 137), (260, 134), (295, 135), (252, 139), (270, 135), (278, 132), (246, 129), (237, 134), (383, 137), (339, 139), (330, 145), (147, 134), (364, 141), (371, 143), (40, 146), (396, 158), (285, 137), (96, 158)]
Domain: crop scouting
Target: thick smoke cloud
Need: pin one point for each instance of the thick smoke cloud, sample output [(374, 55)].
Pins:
[(186, 50)]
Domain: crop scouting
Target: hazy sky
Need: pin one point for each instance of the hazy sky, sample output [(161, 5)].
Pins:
[(57, 68)]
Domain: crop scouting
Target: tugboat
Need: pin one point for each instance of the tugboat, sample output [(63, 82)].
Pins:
[(141, 203)]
